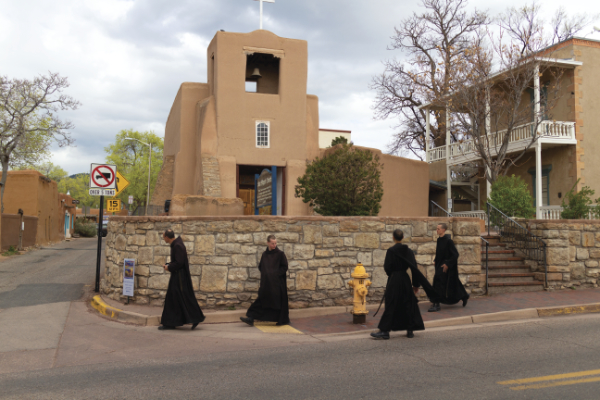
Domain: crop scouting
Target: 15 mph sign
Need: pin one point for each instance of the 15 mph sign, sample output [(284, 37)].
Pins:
[(103, 180)]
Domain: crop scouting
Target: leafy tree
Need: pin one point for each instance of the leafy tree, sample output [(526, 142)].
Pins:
[(339, 140), (578, 204), (344, 183), (29, 120), (131, 159), (54, 172), (79, 188), (511, 196)]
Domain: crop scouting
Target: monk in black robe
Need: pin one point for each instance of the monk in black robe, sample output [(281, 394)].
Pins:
[(272, 302), (181, 306), (446, 283), (401, 305)]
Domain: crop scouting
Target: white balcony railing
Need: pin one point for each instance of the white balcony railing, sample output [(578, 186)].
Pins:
[(519, 135), (471, 214), (554, 212)]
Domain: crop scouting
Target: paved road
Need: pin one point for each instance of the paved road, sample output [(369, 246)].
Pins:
[(445, 363)]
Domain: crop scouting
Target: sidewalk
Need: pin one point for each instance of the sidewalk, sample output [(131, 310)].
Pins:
[(338, 320)]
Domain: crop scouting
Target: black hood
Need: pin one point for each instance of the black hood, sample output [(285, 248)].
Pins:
[(400, 249)]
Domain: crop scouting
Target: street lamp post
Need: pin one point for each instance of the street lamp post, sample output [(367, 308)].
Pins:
[(149, 169)]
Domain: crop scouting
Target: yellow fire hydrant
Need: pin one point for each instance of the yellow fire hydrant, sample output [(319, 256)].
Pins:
[(360, 284)]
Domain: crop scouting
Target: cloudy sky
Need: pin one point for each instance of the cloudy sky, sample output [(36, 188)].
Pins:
[(125, 59)]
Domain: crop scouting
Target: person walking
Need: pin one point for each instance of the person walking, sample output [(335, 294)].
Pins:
[(181, 306), (446, 283), (401, 305), (272, 302)]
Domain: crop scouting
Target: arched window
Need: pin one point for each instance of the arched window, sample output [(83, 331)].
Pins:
[(262, 134)]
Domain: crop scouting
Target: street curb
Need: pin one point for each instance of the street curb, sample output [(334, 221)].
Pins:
[(124, 316), (575, 309), (512, 315)]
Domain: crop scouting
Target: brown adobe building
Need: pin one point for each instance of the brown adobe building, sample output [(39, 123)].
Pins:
[(254, 113)]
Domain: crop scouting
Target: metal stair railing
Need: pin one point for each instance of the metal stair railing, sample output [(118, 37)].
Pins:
[(487, 249), (520, 237), (437, 210)]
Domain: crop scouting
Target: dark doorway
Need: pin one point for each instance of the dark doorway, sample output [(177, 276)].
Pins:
[(245, 186)]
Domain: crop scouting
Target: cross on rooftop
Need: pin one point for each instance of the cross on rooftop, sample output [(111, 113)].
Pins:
[(261, 9)]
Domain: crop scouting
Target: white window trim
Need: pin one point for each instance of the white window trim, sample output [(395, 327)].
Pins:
[(268, 123)]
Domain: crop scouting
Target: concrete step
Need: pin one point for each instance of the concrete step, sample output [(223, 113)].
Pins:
[(517, 280), (534, 286), (508, 269), (512, 275), (503, 261)]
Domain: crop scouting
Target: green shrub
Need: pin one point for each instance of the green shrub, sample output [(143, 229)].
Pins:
[(577, 205), (86, 229), (511, 196), (339, 140)]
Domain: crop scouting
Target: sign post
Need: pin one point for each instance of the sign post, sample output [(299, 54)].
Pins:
[(102, 182)]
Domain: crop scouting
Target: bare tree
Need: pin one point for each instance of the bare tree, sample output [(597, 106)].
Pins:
[(437, 44), (29, 120), (433, 43)]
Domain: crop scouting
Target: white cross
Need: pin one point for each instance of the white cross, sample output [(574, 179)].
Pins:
[(261, 6)]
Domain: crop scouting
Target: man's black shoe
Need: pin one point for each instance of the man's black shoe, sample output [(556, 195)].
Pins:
[(165, 327), (435, 307), (195, 325), (465, 301), (381, 335), (247, 320), (410, 334)]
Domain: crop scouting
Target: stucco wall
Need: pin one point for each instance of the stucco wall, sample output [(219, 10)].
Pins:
[(11, 227), (322, 252)]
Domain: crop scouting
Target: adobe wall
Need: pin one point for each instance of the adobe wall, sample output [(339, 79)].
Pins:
[(322, 252), (10, 230)]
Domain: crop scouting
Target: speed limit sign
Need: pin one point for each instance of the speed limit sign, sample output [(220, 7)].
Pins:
[(113, 205)]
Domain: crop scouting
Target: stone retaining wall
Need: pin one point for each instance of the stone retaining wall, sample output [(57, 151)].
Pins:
[(573, 254), (322, 252)]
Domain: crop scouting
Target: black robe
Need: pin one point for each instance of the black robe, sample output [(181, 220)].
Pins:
[(447, 285), (401, 305), (272, 302), (181, 306)]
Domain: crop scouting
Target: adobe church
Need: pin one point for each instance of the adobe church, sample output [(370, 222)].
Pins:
[(253, 114)]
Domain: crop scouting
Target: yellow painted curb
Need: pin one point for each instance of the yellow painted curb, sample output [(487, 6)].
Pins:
[(578, 309), (104, 308)]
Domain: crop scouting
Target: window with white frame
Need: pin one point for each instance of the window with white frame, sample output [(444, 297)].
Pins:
[(262, 134)]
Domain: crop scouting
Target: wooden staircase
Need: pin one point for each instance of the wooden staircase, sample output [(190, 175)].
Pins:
[(507, 273)]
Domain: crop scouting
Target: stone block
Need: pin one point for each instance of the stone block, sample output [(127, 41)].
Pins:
[(319, 253), (593, 272), (331, 230), (237, 274), (142, 270), (159, 281), (427, 248), (312, 234), (466, 228), (378, 278), (558, 255), (153, 238), (246, 226), (306, 280), (219, 227), (470, 269), (365, 258), (156, 270), (303, 251), (419, 228), (274, 226), (379, 257), (318, 263), (559, 268), (594, 253), (250, 249), (195, 270), (214, 278), (240, 260), (130, 228), (424, 259), (591, 264), (145, 255), (293, 265), (372, 226), (348, 241), (221, 238), (325, 271), (193, 227), (348, 226), (121, 242), (162, 250), (577, 270), (260, 238), (469, 254), (583, 254), (235, 287), (228, 248), (386, 237), (555, 276), (189, 247), (240, 238), (333, 242), (572, 253), (575, 238), (366, 240), (251, 286), (287, 237), (329, 282), (290, 284), (588, 239), (136, 240), (205, 245), (343, 262), (219, 260)]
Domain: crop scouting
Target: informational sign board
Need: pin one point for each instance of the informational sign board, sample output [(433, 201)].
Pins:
[(449, 205), (122, 183), (75, 201), (264, 189), (113, 205), (128, 276), (130, 200), (103, 180)]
